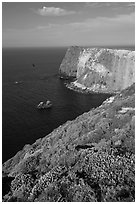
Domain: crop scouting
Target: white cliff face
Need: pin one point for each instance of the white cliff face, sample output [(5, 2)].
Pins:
[(101, 69), (83, 58)]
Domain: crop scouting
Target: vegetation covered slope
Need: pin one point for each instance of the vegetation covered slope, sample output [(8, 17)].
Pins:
[(91, 158)]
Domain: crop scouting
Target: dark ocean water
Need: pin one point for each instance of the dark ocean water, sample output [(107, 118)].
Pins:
[(22, 123)]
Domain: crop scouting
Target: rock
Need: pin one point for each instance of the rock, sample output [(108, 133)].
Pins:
[(86, 146), (125, 109), (99, 69), (68, 67)]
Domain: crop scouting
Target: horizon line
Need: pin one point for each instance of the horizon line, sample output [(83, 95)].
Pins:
[(122, 45)]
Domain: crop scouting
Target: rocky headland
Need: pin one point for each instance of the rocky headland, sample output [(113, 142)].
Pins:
[(89, 159), (98, 69)]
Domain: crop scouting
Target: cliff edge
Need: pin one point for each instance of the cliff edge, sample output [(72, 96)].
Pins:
[(89, 159), (99, 69)]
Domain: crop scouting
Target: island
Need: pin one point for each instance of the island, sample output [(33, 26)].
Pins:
[(89, 159)]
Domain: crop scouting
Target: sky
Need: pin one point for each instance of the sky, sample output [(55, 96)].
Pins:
[(58, 24)]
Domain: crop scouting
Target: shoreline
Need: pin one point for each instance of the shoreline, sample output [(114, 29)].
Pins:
[(94, 135), (75, 86)]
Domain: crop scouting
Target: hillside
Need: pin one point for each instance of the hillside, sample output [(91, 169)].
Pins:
[(89, 159)]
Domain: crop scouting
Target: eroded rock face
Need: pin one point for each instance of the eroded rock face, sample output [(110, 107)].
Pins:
[(98, 69), (89, 159), (68, 67)]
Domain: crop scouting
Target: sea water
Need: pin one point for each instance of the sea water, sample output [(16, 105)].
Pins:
[(30, 75)]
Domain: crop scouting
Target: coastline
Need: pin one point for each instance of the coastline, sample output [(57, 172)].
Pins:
[(98, 70), (104, 135), (75, 86), (68, 102), (93, 155)]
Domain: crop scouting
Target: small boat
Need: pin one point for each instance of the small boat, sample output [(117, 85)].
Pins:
[(17, 82), (44, 105)]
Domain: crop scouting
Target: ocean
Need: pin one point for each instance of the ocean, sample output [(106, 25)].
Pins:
[(25, 85)]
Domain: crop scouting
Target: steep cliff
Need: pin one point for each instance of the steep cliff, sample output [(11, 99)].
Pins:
[(68, 67), (88, 159), (99, 69)]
